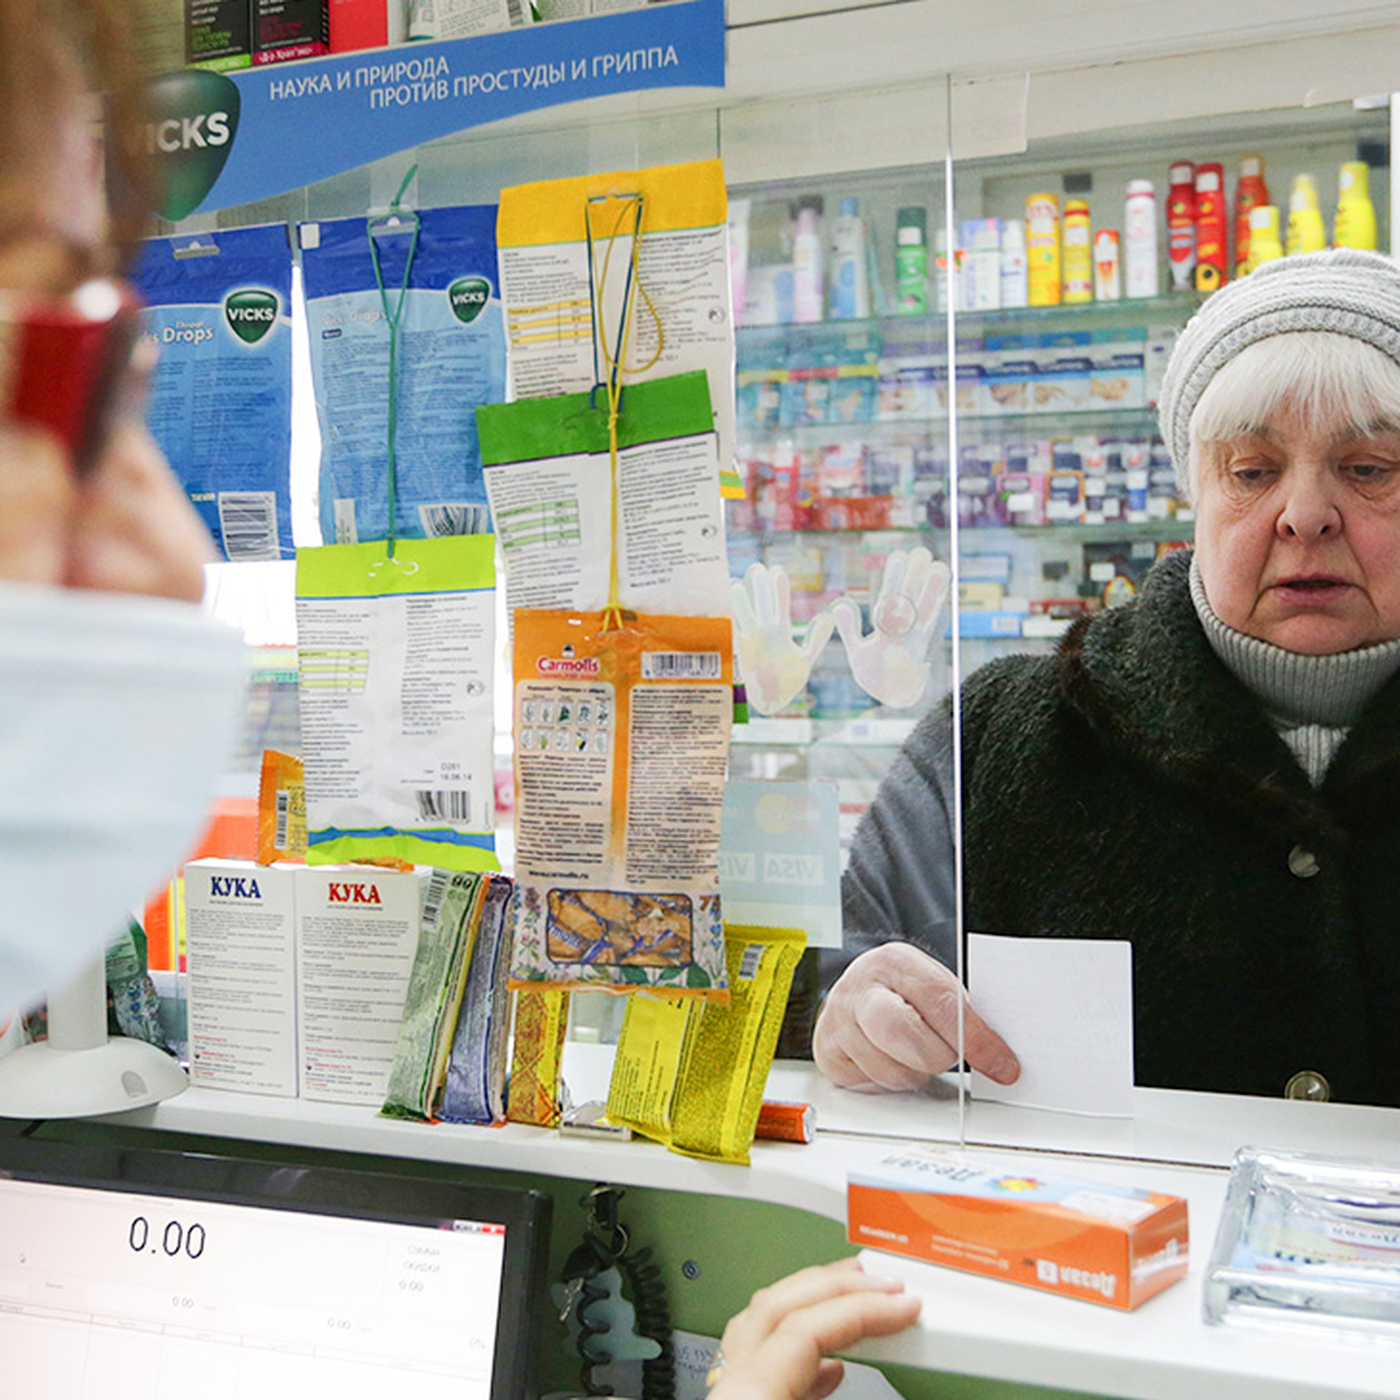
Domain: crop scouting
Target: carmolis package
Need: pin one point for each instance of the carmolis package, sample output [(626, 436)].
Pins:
[(451, 357), (221, 403)]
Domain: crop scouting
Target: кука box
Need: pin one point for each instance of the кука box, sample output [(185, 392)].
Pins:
[(1103, 1243)]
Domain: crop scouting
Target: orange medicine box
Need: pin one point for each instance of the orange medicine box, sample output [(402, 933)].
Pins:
[(1103, 1243)]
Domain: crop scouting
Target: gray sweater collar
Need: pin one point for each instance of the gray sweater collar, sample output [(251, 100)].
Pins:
[(1298, 689)]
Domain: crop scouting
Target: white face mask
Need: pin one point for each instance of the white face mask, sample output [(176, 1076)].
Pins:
[(117, 716)]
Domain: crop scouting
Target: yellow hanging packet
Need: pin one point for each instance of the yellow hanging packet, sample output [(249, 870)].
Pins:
[(692, 1075), (281, 809), (621, 748)]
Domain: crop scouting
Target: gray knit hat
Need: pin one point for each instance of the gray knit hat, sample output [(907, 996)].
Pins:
[(1341, 290)]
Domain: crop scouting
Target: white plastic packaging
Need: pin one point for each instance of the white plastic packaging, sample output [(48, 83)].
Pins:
[(808, 282), (1141, 274), (850, 277), (1014, 288)]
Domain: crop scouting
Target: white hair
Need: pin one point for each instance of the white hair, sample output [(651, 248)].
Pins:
[(1315, 375)]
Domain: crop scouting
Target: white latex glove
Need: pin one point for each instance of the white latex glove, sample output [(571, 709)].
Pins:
[(772, 666), (890, 663)]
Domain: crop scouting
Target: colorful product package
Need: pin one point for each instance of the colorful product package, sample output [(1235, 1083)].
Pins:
[(690, 1073), (621, 746), (1096, 1241), (221, 401), (451, 914), (536, 1072), (450, 358), (548, 477), (566, 250), (281, 808), (474, 1091), (289, 29), (395, 663)]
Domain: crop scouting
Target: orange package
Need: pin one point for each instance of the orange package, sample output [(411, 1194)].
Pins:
[(1096, 1241)]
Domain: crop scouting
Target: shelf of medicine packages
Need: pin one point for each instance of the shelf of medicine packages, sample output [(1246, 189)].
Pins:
[(1131, 422), (970, 1326), (1171, 309)]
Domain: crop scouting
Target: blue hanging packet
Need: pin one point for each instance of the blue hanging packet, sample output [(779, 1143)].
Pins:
[(435, 276), (221, 404)]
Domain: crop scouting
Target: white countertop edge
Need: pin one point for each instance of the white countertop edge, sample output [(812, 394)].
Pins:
[(971, 1325)]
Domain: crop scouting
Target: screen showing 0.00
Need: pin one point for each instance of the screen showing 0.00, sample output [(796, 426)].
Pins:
[(105, 1294)]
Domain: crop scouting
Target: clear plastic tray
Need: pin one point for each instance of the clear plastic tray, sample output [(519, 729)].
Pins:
[(1308, 1243)]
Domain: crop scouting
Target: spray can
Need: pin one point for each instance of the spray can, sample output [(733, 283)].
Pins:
[(808, 280), (911, 261), (1249, 194), (1014, 288), (1181, 226), (1264, 244), (1108, 270), (1140, 272), (1043, 250), (1212, 252), (850, 279), (1356, 215), (1306, 232), (1078, 255)]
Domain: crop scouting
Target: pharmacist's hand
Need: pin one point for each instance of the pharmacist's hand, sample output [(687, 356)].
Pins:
[(127, 528), (891, 1022), (772, 666), (778, 1347), (890, 663)]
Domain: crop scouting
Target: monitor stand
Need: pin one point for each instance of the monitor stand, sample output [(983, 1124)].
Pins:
[(80, 1070)]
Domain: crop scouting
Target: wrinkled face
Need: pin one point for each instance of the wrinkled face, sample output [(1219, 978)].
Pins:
[(1298, 533)]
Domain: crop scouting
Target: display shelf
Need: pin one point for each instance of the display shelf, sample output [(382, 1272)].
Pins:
[(1176, 307), (1068, 532)]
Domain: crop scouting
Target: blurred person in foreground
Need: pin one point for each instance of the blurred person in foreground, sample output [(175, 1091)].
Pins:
[(118, 697), (1211, 771)]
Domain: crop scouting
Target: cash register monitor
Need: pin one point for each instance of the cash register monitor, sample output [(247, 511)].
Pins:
[(132, 1273)]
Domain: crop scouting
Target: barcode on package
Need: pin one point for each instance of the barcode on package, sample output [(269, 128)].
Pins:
[(748, 964), (438, 882), (248, 523), (681, 666), (284, 812), (454, 519), (515, 12), (444, 805), (343, 514)]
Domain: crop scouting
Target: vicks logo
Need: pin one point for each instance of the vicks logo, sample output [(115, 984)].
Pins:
[(251, 312), (468, 297), (193, 119)]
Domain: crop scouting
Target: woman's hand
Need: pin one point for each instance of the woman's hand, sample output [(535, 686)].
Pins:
[(127, 528), (779, 1347), (891, 1022)]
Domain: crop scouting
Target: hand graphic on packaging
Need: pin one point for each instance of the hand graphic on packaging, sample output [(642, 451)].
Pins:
[(773, 667), (889, 664)]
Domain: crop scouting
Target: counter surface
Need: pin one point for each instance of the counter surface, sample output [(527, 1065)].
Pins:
[(970, 1325)]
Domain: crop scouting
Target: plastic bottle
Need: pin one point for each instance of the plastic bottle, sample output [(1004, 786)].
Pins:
[(1141, 276), (1181, 226), (1014, 289), (1264, 244), (1249, 194), (1078, 255), (911, 261), (1108, 266), (1356, 215), (850, 280), (808, 284), (1043, 250), (1306, 231), (1212, 229)]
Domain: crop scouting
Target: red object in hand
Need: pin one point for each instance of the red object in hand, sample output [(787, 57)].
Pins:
[(67, 364)]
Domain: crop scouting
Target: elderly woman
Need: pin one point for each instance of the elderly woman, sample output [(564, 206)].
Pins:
[(1211, 771)]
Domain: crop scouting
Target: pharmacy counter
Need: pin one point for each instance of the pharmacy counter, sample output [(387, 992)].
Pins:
[(971, 1326)]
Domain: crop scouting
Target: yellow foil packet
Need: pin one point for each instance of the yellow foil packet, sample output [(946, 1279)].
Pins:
[(691, 1074), (541, 1018)]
